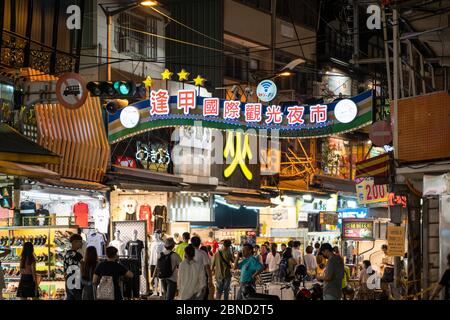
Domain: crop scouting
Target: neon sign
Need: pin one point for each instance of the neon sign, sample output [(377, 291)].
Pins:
[(187, 108), (240, 151)]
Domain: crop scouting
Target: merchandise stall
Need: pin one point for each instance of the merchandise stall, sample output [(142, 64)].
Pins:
[(47, 216), (50, 243), (238, 237), (322, 218)]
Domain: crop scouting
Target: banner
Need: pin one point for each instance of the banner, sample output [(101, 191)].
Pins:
[(374, 167), (163, 111), (357, 229), (396, 241), (368, 192)]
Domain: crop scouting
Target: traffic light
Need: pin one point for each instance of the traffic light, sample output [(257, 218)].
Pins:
[(116, 89), (112, 106)]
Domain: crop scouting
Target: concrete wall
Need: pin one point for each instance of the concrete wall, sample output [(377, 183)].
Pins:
[(100, 45), (255, 25)]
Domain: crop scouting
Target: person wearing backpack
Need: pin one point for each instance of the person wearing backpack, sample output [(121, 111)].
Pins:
[(107, 276), (287, 266), (221, 267), (167, 266)]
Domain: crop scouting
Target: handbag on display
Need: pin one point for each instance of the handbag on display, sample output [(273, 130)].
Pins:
[(105, 289)]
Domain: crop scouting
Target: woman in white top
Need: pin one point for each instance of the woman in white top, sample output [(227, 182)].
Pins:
[(273, 259)]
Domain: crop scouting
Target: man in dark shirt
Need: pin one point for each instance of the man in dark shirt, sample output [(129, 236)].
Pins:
[(72, 268), (112, 268), (444, 283), (334, 273)]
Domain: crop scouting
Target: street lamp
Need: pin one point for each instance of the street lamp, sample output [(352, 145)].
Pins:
[(148, 3), (110, 13)]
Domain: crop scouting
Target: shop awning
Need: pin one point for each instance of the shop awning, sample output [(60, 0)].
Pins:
[(140, 179), (15, 147), (76, 184), (333, 184), (249, 201), (26, 170), (145, 174)]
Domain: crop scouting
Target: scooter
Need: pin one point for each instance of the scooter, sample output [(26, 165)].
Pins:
[(249, 293), (302, 293)]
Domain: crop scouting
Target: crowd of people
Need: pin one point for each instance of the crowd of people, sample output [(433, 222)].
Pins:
[(189, 270)]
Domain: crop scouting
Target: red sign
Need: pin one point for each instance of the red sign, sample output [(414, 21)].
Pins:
[(357, 229), (396, 200), (71, 90), (381, 133)]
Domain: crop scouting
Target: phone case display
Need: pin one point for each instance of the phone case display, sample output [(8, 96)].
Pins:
[(132, 235), (50, 244)]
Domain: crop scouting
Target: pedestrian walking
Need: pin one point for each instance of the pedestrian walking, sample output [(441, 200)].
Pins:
[(107, 276), (221, 268), (334, 273), (191, 276), (168, 264)]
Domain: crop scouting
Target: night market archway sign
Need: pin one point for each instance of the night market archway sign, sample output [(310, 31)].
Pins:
[(188, 109)]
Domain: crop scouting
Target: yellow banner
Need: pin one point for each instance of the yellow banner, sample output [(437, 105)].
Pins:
[(368, 192)]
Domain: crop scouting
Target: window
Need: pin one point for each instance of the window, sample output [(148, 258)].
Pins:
[(131, 38), (239, 66), (259, 4), (6, 93)]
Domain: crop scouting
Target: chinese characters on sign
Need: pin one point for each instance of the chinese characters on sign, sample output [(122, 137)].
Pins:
[(396, 241), (357, 229), (252, 112), (159, 102), (239, 151)]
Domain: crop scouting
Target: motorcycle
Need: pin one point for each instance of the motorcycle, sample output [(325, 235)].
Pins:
[(298, 287)]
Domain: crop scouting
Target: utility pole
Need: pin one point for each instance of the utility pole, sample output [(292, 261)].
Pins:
[(386, 53), (356, 31), (273, 31), (396, 59)]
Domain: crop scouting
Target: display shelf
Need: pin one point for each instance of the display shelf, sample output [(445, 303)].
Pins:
[(38, 264)]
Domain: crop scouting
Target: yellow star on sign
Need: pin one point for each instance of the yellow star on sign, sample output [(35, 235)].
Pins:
[(199, 81), (148, 82), (183, 75), (166, 75)]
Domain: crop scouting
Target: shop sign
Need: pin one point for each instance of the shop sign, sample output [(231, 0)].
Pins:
[(395, 200), (360, 213), (329, 218), (129, 117), (369, 192), (357, 229), (279, 214), (266, 90), (396, 241), (320, 204), (155, 156), (189, 109), (240, 151)]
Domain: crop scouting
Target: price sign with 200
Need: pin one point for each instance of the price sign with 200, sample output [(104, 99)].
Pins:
[(375, 192)]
